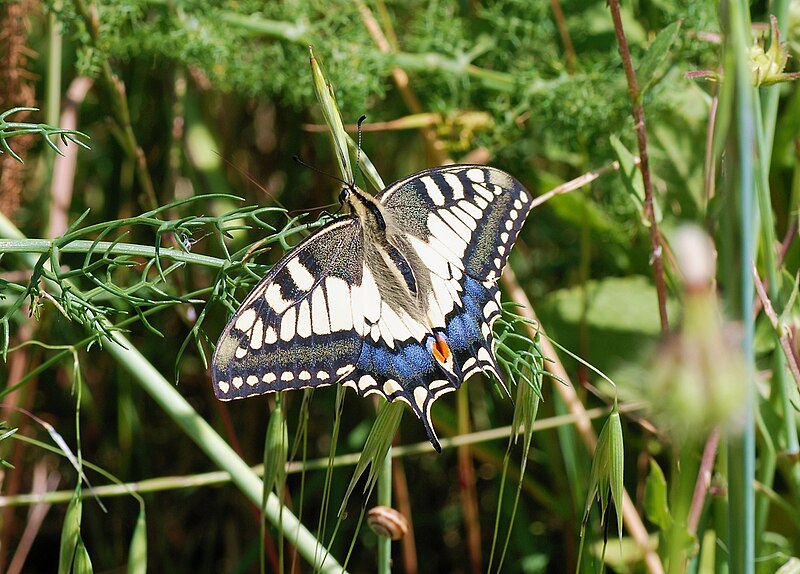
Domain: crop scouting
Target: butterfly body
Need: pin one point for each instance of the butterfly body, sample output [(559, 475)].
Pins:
[(397, 298)]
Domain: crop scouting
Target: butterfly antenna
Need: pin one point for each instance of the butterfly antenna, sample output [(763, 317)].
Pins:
[(251, 179), (304, 163), (358, 147)]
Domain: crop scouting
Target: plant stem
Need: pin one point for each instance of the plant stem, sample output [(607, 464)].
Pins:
[(41, 246), (166, 483), (644, 166), (739, 223)]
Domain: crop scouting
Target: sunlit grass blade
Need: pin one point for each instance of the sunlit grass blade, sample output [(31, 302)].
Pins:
[(377, 445), (70, 533), (137, 555)]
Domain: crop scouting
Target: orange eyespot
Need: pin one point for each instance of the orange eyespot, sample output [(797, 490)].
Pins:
[(440, 348)]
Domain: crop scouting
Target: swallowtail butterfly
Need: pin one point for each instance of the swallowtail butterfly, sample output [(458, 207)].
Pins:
[(397, 298)]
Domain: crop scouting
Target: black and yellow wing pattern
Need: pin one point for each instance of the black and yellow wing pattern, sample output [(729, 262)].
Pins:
[(397, 298)]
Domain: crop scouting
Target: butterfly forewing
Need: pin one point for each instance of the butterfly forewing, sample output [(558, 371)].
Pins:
[(301, 325), (470, 215)]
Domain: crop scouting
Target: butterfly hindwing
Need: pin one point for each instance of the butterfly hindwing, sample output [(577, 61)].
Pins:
[(302, 324)]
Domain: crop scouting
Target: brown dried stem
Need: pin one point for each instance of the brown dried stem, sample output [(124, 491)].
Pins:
[(641, 136), (563, 31), (787, 345)]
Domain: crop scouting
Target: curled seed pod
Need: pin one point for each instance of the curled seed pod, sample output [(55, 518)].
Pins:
[(388, 522)]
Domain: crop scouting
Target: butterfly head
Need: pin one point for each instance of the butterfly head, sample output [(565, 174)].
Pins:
[(362, 205)]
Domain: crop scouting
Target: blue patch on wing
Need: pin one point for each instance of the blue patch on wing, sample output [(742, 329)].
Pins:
[(410, 363)]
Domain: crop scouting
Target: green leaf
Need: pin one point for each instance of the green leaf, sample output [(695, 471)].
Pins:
[(276, 449), (137, 556), (70, 533), (655, 498), (82, 564), (606, 476), (376, 447), (655, 56), (616, 454), (330, 110)]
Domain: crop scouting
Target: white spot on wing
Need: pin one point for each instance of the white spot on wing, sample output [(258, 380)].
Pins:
[(470, 209), (287, 376), (269, 378), (433, 190), (224, 386), (320, 323), (456, 224), (289, 324), (323, 375), (370, 296), (257, 335), (246, 320), (391, 387), (252, 380), (475, 175), (271, 335), (484, 356), (346, 370), (341, 312), (300, 274), (438, 384), (455, 185), (240, 353), (237, 382), (304, 319), (304, 376), (273, 297), (420, 395), (366, 382)]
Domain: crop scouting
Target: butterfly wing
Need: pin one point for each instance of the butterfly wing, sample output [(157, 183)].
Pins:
[(301, 326), (460, 222), (468, 215)]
